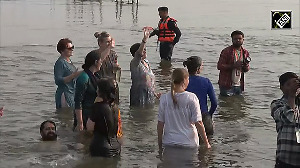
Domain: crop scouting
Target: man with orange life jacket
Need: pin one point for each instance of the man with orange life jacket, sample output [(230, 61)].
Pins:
[(168, 34)]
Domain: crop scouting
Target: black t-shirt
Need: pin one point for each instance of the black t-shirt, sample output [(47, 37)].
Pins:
[(105, 118)]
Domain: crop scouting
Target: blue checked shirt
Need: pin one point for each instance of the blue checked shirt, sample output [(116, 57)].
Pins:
[(288, 150)]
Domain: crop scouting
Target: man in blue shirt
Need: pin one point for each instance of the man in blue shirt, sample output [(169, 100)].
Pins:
[(202, 87)]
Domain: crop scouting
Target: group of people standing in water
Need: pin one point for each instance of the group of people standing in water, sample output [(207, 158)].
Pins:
[(92, 93), (183, 113)]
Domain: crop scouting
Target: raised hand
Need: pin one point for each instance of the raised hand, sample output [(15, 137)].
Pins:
[(147, 30)]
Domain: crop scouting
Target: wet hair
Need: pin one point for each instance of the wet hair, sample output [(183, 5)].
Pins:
[(286, 76), (62, 44), (43, 124), (237, 32), (90, 59), (163, 8), (107, 90), (192, 63), (134, 48), (178, 76), (101, 36)]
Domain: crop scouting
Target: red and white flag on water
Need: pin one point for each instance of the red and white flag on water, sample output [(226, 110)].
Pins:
[(1, 111)]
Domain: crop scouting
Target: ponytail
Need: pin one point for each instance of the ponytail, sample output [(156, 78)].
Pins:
[(173, 94), (178, 76)]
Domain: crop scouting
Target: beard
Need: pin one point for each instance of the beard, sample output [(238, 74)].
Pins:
[(51, 136), (237, 45)]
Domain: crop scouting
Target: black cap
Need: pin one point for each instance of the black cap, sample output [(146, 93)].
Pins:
[(286, 76), (163, 8)]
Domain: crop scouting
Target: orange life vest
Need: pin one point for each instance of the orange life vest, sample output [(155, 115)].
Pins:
[(165, 34)]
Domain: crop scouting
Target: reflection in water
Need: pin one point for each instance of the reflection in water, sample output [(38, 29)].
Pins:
[(119, 6), (65, 117), (229, 131), (164, 75), (78, 9), (68, 10), (52, 6), (96, 162), (140, 134), (92, 11), (135, 14), (184, 157), (232, 108), (179, 157), (134, 11), (100, 10)]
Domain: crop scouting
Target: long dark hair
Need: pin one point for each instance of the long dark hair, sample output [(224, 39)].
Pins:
[(91, 59), (107, 90)]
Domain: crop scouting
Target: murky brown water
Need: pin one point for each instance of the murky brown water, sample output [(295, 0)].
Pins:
[(30, 29)]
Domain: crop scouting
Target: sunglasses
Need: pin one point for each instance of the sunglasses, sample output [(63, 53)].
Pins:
[(71, 48)]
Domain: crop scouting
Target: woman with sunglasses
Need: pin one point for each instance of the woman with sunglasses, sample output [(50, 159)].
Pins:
[(142, 91), (65, 74)]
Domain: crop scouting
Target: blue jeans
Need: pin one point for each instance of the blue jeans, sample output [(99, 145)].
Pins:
[(235, 90)]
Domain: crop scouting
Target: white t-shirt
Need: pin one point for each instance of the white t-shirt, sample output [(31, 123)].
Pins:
[(179, 127), (237, 74)]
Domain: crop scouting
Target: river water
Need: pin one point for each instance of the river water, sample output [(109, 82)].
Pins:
[(245, 133)]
